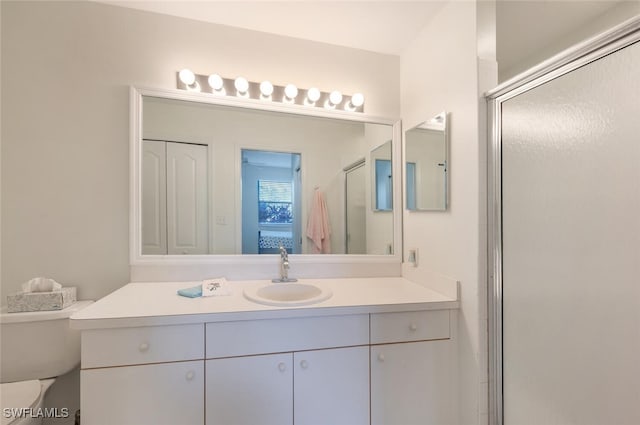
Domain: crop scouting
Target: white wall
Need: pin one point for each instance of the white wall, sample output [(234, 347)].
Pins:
[(439, 71), (524, 17), (66, 69)]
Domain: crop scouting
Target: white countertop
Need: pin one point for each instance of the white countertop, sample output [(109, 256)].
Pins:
[(157, 303)]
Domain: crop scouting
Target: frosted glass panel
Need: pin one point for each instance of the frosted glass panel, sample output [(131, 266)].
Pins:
[(571, 247)]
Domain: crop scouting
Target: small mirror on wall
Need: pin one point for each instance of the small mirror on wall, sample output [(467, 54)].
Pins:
[(426, 165), (382, 177)]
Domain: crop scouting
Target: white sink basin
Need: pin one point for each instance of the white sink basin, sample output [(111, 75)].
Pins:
[(288, 294)]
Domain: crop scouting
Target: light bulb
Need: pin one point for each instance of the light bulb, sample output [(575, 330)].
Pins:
[(216, 82), (335, 97), (291, 92), (187, 76), (242, 85), (313, 94), (266, 89), (357, 100)]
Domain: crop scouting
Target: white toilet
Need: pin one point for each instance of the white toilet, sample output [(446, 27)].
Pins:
[(35, 348)]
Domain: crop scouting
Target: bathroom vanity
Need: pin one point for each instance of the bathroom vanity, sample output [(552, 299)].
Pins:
[(378, 351)]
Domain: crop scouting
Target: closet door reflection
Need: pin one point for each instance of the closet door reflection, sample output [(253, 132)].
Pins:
[(356, 221), (175, 199), (571, 247), (154, 197)]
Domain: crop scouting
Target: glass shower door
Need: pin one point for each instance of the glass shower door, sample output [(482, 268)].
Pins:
[(571, 247)]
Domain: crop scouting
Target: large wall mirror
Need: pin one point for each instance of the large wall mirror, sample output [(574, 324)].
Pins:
[(426, 165), (215, 178)]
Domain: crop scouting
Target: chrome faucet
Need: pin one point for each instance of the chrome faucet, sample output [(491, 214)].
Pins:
[(284, 267)]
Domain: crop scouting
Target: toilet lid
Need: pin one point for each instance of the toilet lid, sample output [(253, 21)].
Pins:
[(18, 394)]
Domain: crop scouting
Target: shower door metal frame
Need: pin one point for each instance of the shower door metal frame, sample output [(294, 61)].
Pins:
[(346, 170), (569, 60)]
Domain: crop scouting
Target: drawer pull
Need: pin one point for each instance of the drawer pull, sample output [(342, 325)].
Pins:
[(413, 327), (381, 357), (282, 367), (190, 375), (304, 364), (144, 347)]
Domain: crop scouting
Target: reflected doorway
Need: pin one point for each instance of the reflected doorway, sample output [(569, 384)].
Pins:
[(271, 201)]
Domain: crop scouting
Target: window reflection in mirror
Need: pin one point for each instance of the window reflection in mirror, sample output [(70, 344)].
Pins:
[(256, 185), (271, 204), (426, 165)]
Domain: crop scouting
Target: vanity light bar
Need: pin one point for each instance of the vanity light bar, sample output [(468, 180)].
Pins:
[(266, 91)]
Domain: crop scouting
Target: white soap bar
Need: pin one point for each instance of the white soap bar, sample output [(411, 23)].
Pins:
[(215, 287)]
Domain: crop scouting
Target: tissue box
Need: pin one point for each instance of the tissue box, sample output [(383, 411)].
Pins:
[(41, 301)]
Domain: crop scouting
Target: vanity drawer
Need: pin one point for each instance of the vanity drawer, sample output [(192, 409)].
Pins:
[(248, 337), (150, 344), (409, 326)]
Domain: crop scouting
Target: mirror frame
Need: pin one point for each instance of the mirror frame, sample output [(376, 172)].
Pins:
[(136, 258), (426, 125)]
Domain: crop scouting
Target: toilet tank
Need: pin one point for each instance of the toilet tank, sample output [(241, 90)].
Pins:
[(39, 344)]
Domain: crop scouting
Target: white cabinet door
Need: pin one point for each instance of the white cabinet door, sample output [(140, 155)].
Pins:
[(155, 394), (187, 199), (412, 384), (332, 387), (154, 197), (250, 390)]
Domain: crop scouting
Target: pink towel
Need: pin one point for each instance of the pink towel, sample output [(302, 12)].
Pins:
[(318, 225)]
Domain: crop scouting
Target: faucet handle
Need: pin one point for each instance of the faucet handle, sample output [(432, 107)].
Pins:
[(284, 266)]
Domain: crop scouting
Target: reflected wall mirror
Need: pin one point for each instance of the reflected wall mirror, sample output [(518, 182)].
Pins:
[(231, 177), (382, 177), (426, 165)]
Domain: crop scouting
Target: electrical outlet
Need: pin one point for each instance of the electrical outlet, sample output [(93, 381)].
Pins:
[(413, 257)]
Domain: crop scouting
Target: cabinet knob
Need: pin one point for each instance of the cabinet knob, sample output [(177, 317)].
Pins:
[(144, 347), (282, 367), (413, 327), (190, 375), (381, 357), (304, 364)]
